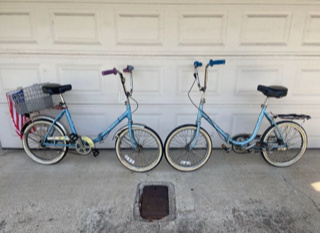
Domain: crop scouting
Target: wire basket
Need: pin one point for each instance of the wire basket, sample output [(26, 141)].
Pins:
[(30, 99)]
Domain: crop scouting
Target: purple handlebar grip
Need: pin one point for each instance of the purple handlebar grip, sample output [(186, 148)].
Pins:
[(107, 72), (128, 69)]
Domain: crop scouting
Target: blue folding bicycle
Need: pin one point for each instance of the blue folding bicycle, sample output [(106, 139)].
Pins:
[(46, 141), (188, 147)]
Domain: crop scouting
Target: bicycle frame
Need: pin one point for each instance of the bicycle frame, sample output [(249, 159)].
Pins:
[(127, 114), (225, 136)]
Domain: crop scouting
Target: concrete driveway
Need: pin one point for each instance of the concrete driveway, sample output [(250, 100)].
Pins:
[(231, 193)]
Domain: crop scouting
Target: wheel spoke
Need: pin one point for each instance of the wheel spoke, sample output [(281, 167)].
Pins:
[(34, 135), (148, 154), (295, 139), (178, 152)]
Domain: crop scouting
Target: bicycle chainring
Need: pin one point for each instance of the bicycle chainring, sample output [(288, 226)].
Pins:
[(84, 145), (240, 138)]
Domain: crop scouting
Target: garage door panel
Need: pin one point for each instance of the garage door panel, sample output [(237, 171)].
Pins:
[(268, 43), (9, 138), (152, 120), (148, 81), (160, 29), (311, 32), (205, 28), (185, 81), (88, 85), (156, 80), (139, 27), (248, 78), (307, 82), (18, 75), (304, 83), (65, 27), (90, 120), (17, 26), (312, 129), (245, 123), (265, 28)]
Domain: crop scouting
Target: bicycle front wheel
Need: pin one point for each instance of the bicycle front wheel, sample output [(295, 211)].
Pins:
[(33, 142), (148, 153), (177, 149), (275, 152)]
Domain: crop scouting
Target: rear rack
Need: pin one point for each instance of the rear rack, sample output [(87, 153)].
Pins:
[(292, 116)]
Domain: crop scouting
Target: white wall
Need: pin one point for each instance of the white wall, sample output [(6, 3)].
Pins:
[(263, 42)]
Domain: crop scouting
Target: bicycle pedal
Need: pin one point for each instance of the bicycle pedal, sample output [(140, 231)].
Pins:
[(95, 152), (261, 145), (225, 148), (73, 138)]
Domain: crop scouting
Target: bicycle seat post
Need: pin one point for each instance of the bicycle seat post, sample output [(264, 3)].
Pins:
[(63, 103), (266, 102)]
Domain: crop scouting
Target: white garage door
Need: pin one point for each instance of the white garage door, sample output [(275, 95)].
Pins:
[(263, 42)]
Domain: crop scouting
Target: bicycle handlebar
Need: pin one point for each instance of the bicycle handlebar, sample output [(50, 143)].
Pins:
[(197, 64), (114, 71), (217, 62), (107, 72), (211, 63), (128, 69)]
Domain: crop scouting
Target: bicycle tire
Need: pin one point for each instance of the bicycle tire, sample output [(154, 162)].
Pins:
[(296, 139), (32, 138), (177, 148), (147, 156)]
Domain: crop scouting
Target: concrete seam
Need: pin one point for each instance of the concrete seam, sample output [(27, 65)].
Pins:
[(304, 194)]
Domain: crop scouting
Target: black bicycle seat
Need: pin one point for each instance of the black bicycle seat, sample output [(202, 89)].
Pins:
[(273, 91), (55, 88)]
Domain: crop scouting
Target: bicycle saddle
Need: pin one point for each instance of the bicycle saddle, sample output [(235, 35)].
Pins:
[(55, 88), (273, 91)]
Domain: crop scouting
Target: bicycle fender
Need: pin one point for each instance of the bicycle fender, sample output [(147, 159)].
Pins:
[(136, 125), (45, 118), (280, 122)]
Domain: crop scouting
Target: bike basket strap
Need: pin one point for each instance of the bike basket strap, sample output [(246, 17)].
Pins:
[(30, 99), (107, 72), (273, 91)]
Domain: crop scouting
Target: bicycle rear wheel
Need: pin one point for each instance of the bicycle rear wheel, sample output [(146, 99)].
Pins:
[(33, 137), (148, 154), (275, 153), (177, 149)]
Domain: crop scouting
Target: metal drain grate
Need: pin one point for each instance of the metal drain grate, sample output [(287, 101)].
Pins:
[(154, 202)]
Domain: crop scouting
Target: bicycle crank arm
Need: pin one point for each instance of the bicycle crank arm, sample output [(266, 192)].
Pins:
[(62, 138)]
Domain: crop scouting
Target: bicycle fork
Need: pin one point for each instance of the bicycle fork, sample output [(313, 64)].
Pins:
[(195, 136)]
